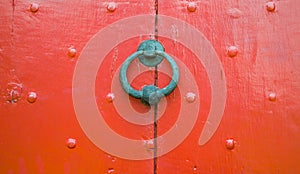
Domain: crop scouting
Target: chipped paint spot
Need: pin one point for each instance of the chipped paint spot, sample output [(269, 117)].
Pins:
[(234, 13)]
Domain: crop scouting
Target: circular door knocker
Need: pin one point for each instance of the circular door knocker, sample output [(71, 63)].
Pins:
[(150, 53), (83, 90)]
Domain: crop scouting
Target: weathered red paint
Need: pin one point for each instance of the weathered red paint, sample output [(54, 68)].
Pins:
[(39, 48)]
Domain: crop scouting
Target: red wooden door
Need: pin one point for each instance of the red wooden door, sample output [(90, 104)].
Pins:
[(234, 110)]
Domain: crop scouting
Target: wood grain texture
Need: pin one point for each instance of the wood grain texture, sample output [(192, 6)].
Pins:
[(33, 136), (34, 55), (267, 133)]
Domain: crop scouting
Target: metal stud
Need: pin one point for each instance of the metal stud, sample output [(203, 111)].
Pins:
[(191, 7), (272, 96), (34, 7), (230, 143), (270, 6), (32, 96), (110, 97), (71, 143), (232, 51), (72, 52), (111, 7)]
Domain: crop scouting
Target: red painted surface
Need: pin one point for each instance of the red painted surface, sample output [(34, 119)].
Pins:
[(260, 128)]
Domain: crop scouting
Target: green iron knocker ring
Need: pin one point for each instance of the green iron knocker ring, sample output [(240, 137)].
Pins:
[(150, 53)]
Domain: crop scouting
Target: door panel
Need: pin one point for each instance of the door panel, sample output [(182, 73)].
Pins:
[(251, 47), (260, 87)]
